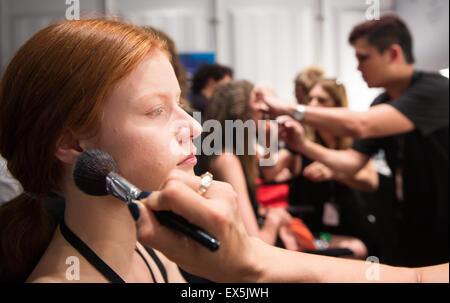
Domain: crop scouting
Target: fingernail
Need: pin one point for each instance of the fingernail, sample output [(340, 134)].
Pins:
[(144, 195), (134, 210)]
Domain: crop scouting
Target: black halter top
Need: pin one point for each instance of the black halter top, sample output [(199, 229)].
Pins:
[(99, 264)]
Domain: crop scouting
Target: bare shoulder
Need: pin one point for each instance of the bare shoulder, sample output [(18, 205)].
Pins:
[(227, 168), (226, 159)]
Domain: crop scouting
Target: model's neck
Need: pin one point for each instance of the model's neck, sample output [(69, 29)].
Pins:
[(104, 224), (401, 82)]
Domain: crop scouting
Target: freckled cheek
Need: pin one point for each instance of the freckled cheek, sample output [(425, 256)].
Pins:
[(147, 166), (153, 159)]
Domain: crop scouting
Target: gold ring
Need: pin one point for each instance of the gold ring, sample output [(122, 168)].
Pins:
[(205, 183)]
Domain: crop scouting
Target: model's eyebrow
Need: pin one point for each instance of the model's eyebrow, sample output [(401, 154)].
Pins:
[(158, 94), (152, 95)]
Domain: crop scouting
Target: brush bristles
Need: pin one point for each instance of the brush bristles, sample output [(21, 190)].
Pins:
[(91, 169)]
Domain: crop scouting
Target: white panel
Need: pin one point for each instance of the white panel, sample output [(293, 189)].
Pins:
[(428, 21), (268, 41), (20, 19), (188, 23)]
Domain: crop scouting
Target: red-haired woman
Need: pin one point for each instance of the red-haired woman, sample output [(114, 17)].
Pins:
[(78, 85)]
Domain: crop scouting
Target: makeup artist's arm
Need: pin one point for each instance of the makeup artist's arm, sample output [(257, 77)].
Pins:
[(247, 259), (241, 258), (379, 121), (364, 180), (347, 161)]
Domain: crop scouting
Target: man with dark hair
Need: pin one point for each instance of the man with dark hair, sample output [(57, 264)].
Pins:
[(385, 32), (409, 121), (206, 78)]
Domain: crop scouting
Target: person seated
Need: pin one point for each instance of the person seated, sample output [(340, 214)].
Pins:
[(75, 86), (236, 101), (327, 196), (205, 79), (305, 80)]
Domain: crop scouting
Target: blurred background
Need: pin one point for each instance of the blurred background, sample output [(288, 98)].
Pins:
[(266, 41)]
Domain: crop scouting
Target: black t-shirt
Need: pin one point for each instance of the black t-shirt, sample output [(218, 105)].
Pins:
[(422, 158)]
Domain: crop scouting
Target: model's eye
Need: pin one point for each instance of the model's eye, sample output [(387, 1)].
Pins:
[(157, 111)]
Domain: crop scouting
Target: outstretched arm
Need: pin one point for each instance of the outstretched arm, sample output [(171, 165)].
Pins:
[(364, 180), (241, 258), (379, 121), (347, 161), (286, 166)]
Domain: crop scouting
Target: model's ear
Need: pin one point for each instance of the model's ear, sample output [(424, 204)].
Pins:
[(68, 148)]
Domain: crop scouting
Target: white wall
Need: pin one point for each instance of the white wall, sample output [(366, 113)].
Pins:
[(429, 23), (268, 41), (263, 40), (20, 19), (188, 23)]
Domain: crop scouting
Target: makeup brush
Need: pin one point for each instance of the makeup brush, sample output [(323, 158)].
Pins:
[(97, 174)]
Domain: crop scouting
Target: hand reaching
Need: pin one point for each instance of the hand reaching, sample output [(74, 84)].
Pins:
[(216, 212), (318, 172), (291, 132), (273, 106)]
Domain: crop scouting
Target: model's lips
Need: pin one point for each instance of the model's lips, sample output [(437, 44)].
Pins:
[(190, 160)]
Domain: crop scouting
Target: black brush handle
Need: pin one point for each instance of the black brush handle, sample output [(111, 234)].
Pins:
[(174, 221)]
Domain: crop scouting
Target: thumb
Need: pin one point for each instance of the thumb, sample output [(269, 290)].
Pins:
[(141, 211), (145, 221)]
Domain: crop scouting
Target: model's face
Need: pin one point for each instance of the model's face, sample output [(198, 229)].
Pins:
[(318, 97), (256, 107), (373, 65), (144, 128), (300, 95)]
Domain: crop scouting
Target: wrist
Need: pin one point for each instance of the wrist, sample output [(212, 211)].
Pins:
[(254, 270), (257, 269), (299, 112), (287, 109)]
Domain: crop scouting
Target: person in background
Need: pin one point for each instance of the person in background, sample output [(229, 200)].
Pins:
[(409, 121), (236, 101), (205, 80), (242, 258), (305, 80), (329, 197)]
